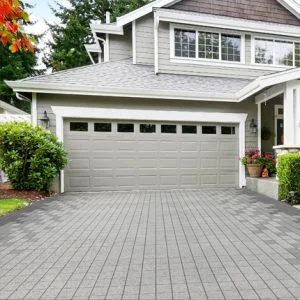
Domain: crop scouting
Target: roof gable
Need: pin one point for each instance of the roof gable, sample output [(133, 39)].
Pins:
[(292, 8), (257, 10)]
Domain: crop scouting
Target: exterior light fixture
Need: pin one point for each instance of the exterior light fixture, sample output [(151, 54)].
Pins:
[(253, 126), (45, 120)]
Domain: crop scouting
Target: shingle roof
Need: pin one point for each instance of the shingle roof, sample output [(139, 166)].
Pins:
[(124, 75)]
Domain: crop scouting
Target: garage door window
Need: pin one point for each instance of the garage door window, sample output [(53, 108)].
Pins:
[(209, 130), (147, 128), (79, 126), (228, 130), (188, 129), (125, 127), (168, 129), (102, 127)]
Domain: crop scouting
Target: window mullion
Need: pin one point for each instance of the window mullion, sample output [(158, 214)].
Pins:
[(220, 47), (197, 44)]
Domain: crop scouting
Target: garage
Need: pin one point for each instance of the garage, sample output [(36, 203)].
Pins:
[(133, 155)]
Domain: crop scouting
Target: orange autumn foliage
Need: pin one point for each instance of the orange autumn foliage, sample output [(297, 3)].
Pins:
[(12, 15)]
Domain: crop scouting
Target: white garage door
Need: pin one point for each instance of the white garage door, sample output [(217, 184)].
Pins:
[(121, 155)]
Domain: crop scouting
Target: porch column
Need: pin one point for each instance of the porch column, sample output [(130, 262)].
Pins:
[(292, 113), (259, 126)]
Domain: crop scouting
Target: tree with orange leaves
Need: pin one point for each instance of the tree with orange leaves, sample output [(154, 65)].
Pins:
[(12, 17)]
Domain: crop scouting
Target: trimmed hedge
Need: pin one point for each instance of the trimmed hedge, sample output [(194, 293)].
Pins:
[(288, 171), (31, 156)]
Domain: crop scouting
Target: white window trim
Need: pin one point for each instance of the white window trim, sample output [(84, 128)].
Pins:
[(219, 61), (253, 37), (62, 112)]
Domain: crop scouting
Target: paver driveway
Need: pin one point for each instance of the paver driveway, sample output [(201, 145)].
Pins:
[(215, 244)]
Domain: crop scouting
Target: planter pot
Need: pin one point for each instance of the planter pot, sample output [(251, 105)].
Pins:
[(254, 170)]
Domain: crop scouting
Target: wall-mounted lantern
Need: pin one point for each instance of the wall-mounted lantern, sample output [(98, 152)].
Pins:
[(45, 120), (253, 126)]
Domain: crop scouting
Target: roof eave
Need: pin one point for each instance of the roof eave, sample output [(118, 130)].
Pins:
[(19, 86)]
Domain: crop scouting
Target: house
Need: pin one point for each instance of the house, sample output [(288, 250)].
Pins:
[(176, 93)]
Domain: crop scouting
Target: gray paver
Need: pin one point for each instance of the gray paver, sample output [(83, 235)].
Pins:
[(194, 244)]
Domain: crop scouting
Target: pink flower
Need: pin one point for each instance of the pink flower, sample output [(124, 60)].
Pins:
[(249, 161), (268, 156)]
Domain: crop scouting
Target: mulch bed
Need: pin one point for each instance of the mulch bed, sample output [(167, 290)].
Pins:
[(6, 192)]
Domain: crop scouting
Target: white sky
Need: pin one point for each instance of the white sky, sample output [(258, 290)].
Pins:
[(40, 13)]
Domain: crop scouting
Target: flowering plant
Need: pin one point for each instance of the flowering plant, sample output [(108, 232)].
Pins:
[(255, 157)]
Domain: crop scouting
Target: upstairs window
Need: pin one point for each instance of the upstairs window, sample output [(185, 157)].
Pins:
[(276, 52), (185, 43), (207, 45)]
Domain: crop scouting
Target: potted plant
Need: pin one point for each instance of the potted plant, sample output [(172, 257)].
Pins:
[(254, 162), (270, 163)]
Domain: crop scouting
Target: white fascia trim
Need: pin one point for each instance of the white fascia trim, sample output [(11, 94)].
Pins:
[(270, 93), (266, 81), (120, 92), (292, 5), (175, 16), (134, 42), (144, 10), (62, 112), (107, 28)]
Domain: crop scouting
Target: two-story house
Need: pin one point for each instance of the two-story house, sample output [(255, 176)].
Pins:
[(176, 93)]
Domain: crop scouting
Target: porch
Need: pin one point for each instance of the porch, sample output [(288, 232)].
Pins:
[(278, 129)]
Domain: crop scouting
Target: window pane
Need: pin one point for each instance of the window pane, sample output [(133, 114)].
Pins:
[(147, 128), (209, 129), (188, 129), (79, 126), (168, 128), (185, 43), (297, 55), (284, 53), (125, 127), (231, 47), (102, 127), (228, 130), (208, 45), (263, 51)]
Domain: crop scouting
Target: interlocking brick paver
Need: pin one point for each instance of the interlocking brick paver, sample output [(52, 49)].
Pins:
[(194, 244)]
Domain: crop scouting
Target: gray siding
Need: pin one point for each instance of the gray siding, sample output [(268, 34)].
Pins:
[(258, 10), (145, 40), (120, 46), (46, 101), (166, 66)]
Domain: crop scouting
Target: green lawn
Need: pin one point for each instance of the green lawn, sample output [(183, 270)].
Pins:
[(9, 205)]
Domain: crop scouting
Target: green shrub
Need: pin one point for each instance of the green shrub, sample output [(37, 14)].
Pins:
[(288, 171), (30, 155)]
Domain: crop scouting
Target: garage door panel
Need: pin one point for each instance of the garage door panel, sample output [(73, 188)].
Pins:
[(102, 163), (79, 164), (189, 146), (79, 145), (209, 146), (168, 180), (104, 182), (145, 163), (124, 161), (148, 180), (227, 179), (209, 179), (103, 145), (168, 163), (209, 163), (189, 163), (79, 181)]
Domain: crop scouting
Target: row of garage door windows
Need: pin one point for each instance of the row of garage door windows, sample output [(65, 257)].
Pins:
[(151, 128)]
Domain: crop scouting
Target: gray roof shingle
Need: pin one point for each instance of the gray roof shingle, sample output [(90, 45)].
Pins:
[(123, 74)]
